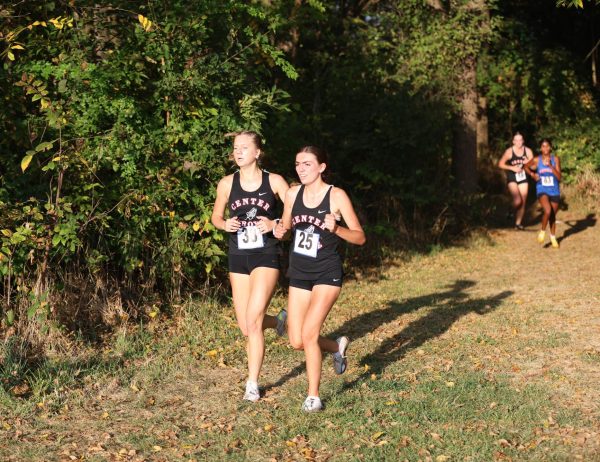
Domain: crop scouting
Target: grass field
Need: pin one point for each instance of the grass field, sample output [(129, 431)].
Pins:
[(488, 351)]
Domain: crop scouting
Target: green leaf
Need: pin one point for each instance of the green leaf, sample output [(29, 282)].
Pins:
[(44, 146), (32, 310), (10, 317)]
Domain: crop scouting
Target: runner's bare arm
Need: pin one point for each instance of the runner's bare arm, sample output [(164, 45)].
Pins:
[(502, 163), (218, 214), (530, 168), (285, 224), (556, 170), (279, 187), (341, 205)]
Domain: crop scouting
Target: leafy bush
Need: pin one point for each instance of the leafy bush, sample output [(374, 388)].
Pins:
[(115, 118)]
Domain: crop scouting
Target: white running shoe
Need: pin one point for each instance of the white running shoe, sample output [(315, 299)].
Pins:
[(339, 358), (281, 328), (312, 404), (252, 392)]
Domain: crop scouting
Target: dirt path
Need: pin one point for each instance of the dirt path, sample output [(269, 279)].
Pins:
[(521, 311)]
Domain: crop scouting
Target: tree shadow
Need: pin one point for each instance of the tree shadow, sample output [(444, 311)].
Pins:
[(577, 226), (419, 331), (455, 301)]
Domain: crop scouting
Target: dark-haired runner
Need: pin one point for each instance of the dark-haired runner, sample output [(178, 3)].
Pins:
[(312, 211), (545, 170)]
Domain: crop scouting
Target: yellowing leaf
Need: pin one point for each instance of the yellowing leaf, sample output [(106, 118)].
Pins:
[(375, 436), (211, 353), (145, 22), (442, 458), (450, 384), (196, 226), (7, 232), (268, 427), (153, 314), (17, 47), (26, 161), (11, 56)]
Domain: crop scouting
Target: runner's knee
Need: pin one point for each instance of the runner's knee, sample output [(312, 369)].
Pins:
[(296, 342), (309, 336)]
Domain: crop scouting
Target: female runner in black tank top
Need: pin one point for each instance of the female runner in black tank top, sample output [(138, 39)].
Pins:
[(313, 211), (512, 161), (250, 195)]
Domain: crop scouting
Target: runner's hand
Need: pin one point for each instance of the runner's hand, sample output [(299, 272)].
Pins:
[(265, 225), (331, 222), (232, 225), (279, 230)]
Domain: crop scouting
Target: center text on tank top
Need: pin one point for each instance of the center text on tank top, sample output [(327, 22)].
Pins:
[(313, 247), (247, 207)]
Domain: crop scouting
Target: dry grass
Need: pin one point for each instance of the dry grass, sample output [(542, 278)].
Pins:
[(481, 352)]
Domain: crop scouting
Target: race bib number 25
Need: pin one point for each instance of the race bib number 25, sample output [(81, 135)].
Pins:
[(250, 238), (306, 243)]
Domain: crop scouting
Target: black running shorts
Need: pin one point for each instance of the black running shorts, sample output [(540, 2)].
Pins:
[(245, 264), (329, 278)]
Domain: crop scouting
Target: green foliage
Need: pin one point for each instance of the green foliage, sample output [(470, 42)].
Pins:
[(577, 145), (114, 124), (114, 120)]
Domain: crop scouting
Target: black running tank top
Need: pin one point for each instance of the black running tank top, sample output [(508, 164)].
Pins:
[(517, 160), (247, 206), (314, 248)]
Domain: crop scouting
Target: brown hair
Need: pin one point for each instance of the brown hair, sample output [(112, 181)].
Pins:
[(256, 138), (321, 156)]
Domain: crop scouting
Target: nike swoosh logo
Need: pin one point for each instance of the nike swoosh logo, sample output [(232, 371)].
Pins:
[(322, 211), (262, 194), (335, 280)]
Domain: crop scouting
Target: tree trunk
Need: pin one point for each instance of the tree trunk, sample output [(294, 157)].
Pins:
[(464, 159), (483, 139)]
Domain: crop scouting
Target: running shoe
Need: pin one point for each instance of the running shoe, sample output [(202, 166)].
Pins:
[(519, 227), (541, 236), (312, 404), (281, 323), (339, 357), (554, 242), (252, 393)]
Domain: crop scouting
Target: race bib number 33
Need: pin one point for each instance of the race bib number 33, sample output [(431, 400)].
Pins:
[(250, 238), (306, 243)]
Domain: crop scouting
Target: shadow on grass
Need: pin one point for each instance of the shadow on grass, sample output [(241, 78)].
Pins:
[(432, 325), (449, 306), (577, 226)]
